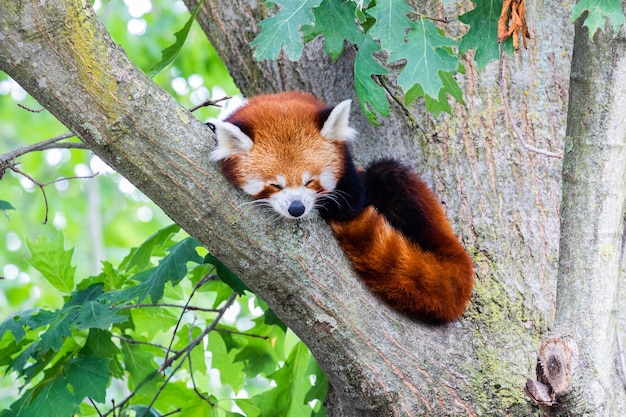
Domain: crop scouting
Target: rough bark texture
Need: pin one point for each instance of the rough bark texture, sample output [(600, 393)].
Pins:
[(592, 225), (502, 200)]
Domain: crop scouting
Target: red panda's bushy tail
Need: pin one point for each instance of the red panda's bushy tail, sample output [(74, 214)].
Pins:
[(404, 248)]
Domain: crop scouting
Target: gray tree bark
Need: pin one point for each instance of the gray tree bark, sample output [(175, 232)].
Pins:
[(581, 355), (502, 200)]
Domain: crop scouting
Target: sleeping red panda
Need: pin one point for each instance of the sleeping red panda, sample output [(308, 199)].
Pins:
[(291, 152)]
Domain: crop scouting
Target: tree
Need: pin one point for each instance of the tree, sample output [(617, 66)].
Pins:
[(502, 199)]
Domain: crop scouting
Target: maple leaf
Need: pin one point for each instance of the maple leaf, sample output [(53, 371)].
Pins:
[(368, 92), (426, 55), (598, 12), (334, 20), (283, 30), (391, 23), (483, 31)]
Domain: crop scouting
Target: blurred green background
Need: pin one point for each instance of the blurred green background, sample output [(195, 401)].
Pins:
[(105, 216)]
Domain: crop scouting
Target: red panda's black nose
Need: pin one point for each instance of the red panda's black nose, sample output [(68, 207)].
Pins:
[(296, 208)]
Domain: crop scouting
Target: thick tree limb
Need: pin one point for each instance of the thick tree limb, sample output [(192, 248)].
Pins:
[(380, 362)]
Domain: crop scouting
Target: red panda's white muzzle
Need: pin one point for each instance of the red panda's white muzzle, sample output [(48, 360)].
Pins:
[(293, 203)]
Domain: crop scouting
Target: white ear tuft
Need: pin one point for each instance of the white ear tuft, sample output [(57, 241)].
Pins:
[(230, 141), (337, 124)]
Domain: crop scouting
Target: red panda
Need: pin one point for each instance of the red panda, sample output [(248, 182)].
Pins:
[(290, 151)]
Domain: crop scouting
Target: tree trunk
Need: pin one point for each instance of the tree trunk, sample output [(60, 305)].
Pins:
[(578, 360), (502, 200)]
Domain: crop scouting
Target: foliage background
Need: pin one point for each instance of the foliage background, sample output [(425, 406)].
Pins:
[(104, 216)]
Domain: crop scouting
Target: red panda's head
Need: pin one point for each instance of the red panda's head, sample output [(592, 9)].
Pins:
[(287, 149)]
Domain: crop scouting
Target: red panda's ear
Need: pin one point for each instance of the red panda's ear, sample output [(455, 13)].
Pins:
[(337, 124), (230, 141)]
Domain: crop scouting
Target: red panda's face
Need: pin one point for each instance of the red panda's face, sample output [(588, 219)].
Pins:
[(282, 153)]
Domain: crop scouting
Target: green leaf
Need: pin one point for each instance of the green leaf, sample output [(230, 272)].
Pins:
[(599, 12), (140, 257), (292, 385), (226, 275), (152, 321), (94, 314), (89, 377), (260, 355), (483, 31), (319, 390), (282, 31), (53, 261), (54, 337), (81, 311), (170, 53), (5, 206), (335, 21), (391, 23), (50, 398), (231, 371), (139, 364), (99, 344), (16, 322), (436, 106), (248, 407), (425, 57), (8, 351), (368, 92), (172, 268), (21, 360)]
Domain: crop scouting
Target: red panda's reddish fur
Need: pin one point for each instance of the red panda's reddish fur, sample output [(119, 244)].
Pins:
[(286, 133), (398, 240), (430, 285)]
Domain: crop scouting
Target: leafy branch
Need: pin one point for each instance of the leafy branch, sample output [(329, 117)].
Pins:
[(427, 56), (183, 355), (104, 331)]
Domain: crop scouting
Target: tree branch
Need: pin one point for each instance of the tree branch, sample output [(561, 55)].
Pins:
[(46, 144)]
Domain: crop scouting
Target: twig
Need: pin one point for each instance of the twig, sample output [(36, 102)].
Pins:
[(209, 103), (138, 342), (9, 156), (200, 283), (190, 308), (184, 353), (507, 110), (620, 358), (436, 19), (29, 109), (195, 387), (178, 410), (241, 333), (14, 168), (64, 145), (95, 406)]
